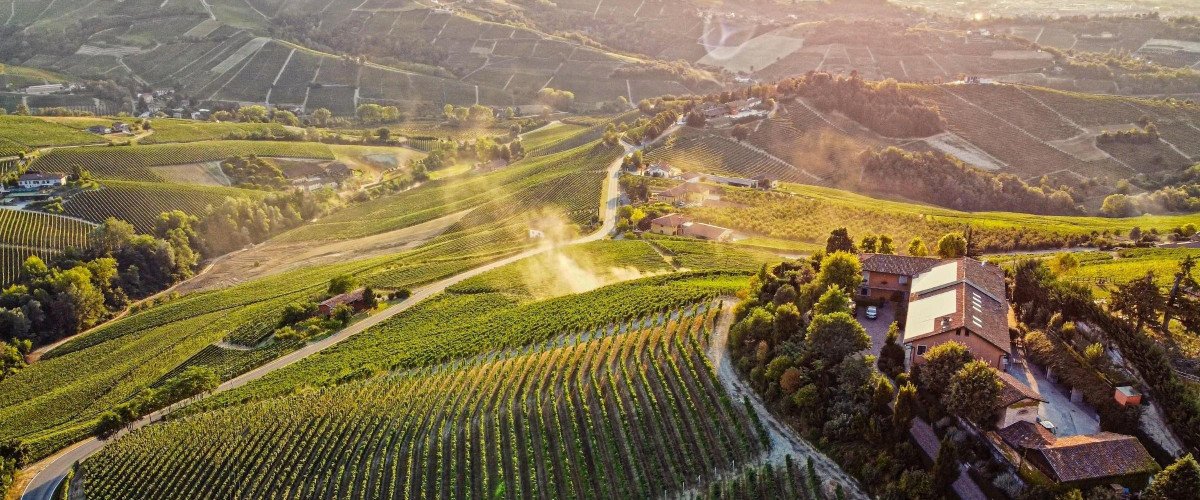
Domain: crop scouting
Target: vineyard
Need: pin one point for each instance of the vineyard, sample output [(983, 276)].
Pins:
[(175, 130), (1103, 270), (33, 233), (133, 162), (23, 133), (717, 155), (140, 203), (626, 412)]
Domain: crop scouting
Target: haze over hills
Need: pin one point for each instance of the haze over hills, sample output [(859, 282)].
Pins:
[(598, 249)]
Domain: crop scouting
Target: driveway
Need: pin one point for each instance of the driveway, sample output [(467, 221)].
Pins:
[(1070, 419), (877, 328)]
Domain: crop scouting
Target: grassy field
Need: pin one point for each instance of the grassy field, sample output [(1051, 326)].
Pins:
[(133, 162), (175, 130), (550, 134), (805, 214)]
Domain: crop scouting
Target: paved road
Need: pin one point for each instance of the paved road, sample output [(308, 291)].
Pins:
[(52, 470)]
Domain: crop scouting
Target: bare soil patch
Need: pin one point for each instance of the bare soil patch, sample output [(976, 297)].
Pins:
[(952, 144), (272, 258)]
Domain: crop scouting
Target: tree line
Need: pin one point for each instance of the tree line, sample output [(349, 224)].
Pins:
[(945, 180), (880, 106)]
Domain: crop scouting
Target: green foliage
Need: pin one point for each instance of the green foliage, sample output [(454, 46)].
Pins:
[(1179, 480), (253, 172), (951, 246), (941, 363), (974, 389), (832, 337)]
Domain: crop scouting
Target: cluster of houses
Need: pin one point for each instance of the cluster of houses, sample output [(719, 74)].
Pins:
[(720, 114), (965, 301), (116, 128)]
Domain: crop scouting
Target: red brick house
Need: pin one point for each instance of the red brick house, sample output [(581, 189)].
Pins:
[(961, 300), (888, 277)]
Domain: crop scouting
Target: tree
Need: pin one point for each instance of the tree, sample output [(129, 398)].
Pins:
[(696, 119), (974, 389), (111, 236), (321, 116), (253, 113), (839, 241), (341, 284), (740, 132), (1183, 276), (904, 409), (891, 355), (384, 134), (370, 300), (869, 244), (945, 467), (1179, 480), (882, 397), (33, 268), (1064, 263), (11, 358), (832, 337), (952, 246), (788, 323), (285, 117), (886, 246), (917, 248), (1117, 205), (839, 269), (832, 301), (942, 361), (1139, 299), (22, 110)]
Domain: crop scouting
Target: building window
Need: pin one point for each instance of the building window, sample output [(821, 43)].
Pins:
[(866, 277), (864, 292), (920, 350), (903, 280)]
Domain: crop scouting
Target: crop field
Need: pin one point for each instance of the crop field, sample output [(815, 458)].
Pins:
[(806, 214), (23, 133), (549, 135), (569, 181), (33, 233), (175, 130), (627, 413), (133, 162), (140, 203), (717, 155)]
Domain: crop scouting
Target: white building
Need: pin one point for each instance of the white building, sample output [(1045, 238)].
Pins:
[(34, 180)]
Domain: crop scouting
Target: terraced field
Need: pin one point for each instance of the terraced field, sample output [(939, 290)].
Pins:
[(701, 152), (23, 133), (627, 413)]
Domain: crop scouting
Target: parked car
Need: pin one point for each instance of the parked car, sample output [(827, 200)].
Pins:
[(872, 312)]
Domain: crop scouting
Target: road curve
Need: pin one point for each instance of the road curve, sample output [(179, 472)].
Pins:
[(50, 471), (784, 440)]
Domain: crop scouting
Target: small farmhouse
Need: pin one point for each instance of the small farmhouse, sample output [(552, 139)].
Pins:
[(36, 180), (1080, 461), (353, 299), (661, 170), (680, 225), (1017, 402), (668, 224), (889, 277), (687, 193)]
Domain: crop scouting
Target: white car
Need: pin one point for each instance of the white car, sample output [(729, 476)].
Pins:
[(872, 312)]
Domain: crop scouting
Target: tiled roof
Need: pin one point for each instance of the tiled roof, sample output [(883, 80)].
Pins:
[(671, 220), (905, 265), (1095, 456), (1025, 434), (41, 176), (706, 231), (980, 304), (344, 298), (1014, 391)]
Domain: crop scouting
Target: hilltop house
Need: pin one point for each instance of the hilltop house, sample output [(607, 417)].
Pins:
[(687, 193), (661, 170), (960, 300), (37, 180)]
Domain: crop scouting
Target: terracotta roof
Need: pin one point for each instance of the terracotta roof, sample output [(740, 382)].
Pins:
[(41, 176), (344, 298), (978, 305), (685, 188), (1095, 456), (671, 220), (1014, 391), (705, 231), (1025, 434), (905, 265)]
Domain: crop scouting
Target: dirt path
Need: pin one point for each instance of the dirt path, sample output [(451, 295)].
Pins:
[(784, 440)]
